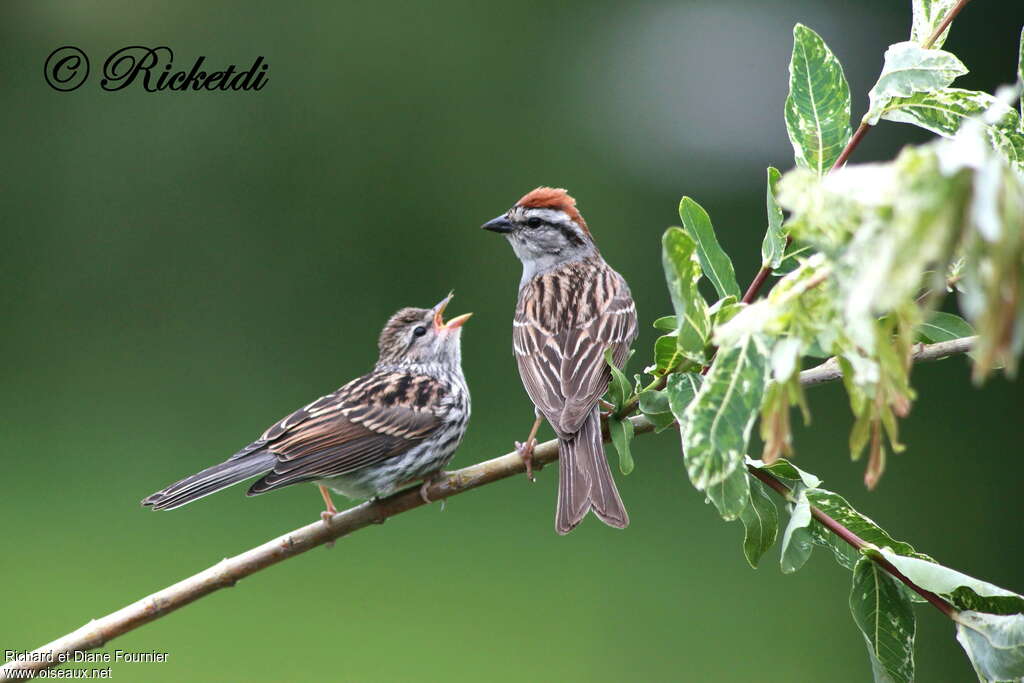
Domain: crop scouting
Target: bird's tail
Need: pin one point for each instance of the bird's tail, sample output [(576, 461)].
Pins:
[(211, 480), (585, 480)]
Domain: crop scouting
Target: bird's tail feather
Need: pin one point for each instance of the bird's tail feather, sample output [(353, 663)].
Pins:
[(585, 481), (211, 480)]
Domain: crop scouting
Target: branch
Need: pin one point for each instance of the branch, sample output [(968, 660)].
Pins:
[(229, 571), (851, 145), (946, 21), (830, 370), (855, 541)]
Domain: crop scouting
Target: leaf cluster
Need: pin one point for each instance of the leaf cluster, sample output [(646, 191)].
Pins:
[(863, 255)]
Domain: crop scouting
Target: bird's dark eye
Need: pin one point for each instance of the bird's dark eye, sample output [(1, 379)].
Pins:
[(420, 331), (533, 222)]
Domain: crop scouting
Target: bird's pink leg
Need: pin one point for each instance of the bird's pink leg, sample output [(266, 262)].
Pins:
[(331, 510), (431, 478), (525, 450)]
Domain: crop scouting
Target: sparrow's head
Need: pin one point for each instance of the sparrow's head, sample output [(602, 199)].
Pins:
[(421, 336), (545, 229)]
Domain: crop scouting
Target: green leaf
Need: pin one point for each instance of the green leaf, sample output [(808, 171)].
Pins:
[(622, 433), (723, 310), (619, 389), (818, 105), (993, 643), (909, 69), (681, 388), (666, 323), (784, 469), (731, 495), (928, 15), (836, 507), (760, 523), (714, 261), (963, 591), (655, 406), (716, 425), (773, 247), (943, 326), (654, 402), (886, 619), (680, 260), (797, 542), (943, 112), (667, 355), (791, 259)]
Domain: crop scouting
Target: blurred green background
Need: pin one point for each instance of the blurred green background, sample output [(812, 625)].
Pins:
[(182, 269)]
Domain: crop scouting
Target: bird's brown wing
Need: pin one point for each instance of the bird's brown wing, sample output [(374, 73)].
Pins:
[(585, 373), (560, 334), (367, 421), (538, 353)]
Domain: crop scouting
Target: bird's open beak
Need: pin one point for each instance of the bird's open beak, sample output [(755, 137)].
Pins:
[(500, 224), (456, 322)]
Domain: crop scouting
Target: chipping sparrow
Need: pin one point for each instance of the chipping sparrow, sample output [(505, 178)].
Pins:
[(396, 425), (572, 307)]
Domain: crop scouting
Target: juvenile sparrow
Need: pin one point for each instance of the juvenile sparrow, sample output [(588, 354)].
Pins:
[(398, 424), (572, 307)]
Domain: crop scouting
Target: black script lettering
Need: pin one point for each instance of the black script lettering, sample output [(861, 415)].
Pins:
[(123, 67)]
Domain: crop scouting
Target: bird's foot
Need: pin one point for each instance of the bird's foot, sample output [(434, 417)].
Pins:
[(326, 515), (430, 479), (525, 451)]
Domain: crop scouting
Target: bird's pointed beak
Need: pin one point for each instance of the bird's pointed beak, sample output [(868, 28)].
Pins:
[(454, 323), (501, 224)]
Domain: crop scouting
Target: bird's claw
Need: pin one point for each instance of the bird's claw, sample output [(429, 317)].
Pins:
[(325, 517), (425, 487), (525, 451)]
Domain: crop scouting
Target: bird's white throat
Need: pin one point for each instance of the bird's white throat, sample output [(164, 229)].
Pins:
[(539, 259)]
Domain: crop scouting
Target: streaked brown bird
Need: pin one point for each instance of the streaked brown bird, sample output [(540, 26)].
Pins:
[(394, 426), (572, 307)]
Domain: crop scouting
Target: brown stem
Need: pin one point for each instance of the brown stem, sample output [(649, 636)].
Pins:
[(761, 277), (855, 541), (946, 21), (851, 145)]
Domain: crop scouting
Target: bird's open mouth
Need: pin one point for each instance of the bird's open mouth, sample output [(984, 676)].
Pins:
[(456, 322)]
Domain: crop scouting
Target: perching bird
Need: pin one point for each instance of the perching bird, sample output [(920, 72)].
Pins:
[(396, 425), (572, 307)]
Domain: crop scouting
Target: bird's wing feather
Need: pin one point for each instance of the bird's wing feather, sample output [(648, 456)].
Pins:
[(584, 372), (539, 356), (367, 421), (560, 335)]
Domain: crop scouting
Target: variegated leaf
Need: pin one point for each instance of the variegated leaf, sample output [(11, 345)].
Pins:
[(911, 69), (818, 105), (928, 15), (885, 616), (716, 425)]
